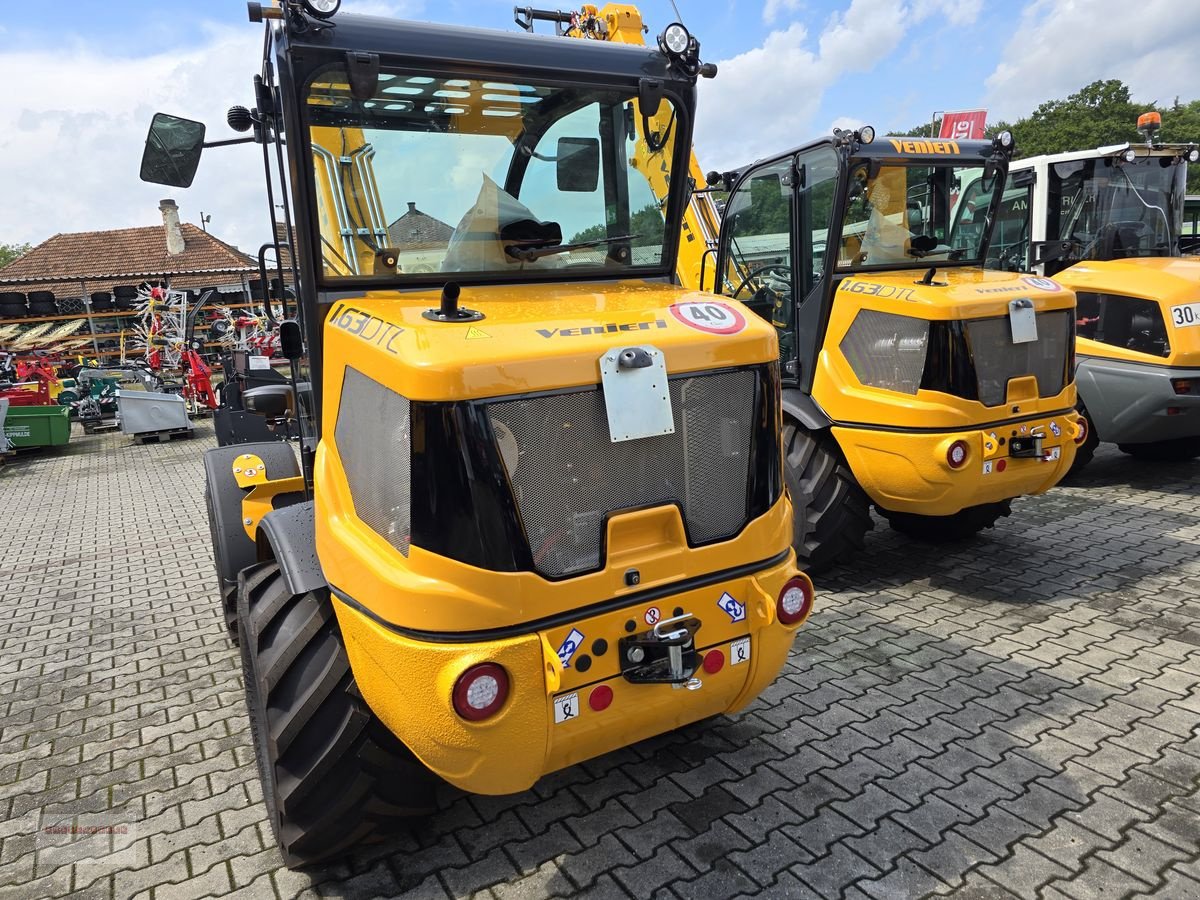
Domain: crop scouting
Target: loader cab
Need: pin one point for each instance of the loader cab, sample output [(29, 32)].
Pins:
[(1112, 203), (799, 226)]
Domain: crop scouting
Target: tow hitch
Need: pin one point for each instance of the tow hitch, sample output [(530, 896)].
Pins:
[(664, 655), (1028, 446)]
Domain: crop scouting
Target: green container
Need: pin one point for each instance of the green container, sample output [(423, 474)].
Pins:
[(37, 426)]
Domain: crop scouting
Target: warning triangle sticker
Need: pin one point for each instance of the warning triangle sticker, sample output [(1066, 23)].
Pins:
[(476, 334)]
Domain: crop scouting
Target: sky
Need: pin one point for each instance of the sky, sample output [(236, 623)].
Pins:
[(83, 79)]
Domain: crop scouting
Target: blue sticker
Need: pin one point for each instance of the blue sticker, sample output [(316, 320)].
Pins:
[(1054, 428), (736, 611), (570, 644)]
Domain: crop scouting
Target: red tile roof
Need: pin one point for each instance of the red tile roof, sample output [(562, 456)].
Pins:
[(125, 256)]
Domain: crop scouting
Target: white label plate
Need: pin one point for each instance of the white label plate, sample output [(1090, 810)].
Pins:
[(739, 651), (1023, 319), (566, 707), (638, 401), (257, 363), (1185, 315)]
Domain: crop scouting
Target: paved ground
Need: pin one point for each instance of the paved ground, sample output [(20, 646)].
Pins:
[(1015, 715)]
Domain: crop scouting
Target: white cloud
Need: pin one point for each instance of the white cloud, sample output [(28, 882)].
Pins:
[(773, 8), (71, 137), (1058, 46), (765, 100)]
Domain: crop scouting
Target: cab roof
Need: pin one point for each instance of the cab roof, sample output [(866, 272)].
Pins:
[(427, 45)]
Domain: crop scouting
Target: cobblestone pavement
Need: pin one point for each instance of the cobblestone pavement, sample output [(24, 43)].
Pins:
[(1015, 715)]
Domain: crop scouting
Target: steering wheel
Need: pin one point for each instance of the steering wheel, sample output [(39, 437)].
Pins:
[(786, 271)]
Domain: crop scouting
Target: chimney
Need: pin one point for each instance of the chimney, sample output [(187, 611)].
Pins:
[(412, 206), (170, 214)]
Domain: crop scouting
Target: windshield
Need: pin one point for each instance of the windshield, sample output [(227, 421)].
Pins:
[(486, 177), (901, 216), (1115, 209)]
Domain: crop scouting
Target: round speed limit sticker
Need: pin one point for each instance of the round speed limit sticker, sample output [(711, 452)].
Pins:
[(712, 316)]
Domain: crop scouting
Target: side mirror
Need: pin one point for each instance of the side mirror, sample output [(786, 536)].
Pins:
[(578, 166), (291, 344), (172, 152)]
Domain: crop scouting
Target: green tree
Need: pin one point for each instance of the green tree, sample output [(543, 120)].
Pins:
[(646, 223), (11, 253)]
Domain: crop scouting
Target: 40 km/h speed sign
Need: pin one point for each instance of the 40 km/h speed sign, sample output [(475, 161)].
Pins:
[(711, 316)]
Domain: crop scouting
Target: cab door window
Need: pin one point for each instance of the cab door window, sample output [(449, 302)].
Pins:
[(758, 243)]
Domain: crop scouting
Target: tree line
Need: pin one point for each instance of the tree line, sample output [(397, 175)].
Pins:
[(1098, 115)]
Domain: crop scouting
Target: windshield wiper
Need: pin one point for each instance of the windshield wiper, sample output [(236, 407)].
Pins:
[(529, 254)]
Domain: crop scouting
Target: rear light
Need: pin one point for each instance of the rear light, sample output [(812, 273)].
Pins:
[(480, 691), (1182, 385), (957, 453), (795, 600), (1083, 430), (1174, 410)]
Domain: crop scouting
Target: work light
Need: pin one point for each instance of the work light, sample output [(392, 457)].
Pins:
[(674, 40), (322, 9), (866, 134)]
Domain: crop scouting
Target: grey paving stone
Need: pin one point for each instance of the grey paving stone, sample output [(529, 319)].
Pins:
[(1043, 677)]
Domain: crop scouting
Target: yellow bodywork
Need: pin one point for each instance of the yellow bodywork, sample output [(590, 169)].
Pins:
[(535, 337), (1168, 281), (902, 466)]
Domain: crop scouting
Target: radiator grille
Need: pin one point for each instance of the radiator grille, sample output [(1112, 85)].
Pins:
[(998, 359), (567, 475), (372, 437)]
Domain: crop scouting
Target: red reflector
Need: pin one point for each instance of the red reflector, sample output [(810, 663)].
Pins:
[(1181, 385), (1083, 430), (957, 453), (1174, 410), (600, 697), (480, 691), (795, 600), (1001, 465), (714, 661)]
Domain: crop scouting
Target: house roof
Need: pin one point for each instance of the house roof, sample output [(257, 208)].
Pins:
[(124, 256), (416, 229)]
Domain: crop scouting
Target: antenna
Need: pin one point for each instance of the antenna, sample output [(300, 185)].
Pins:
[(678, 16)]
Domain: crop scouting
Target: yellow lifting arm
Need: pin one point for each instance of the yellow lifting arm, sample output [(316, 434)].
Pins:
[(621, 23)]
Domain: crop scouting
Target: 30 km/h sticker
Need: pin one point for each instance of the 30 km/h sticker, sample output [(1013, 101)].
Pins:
[(1186, 315), (711, 316)]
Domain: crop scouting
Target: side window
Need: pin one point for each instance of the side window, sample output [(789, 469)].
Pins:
[(757, 231)]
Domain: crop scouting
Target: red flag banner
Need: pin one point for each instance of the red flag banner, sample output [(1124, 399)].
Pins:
[(964, 125)]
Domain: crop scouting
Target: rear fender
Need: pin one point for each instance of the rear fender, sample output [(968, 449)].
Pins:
[(234, 550)]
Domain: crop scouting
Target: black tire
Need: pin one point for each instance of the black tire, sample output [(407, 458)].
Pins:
[(332, 775), (832, 513), (961, 525), (1176, 450)]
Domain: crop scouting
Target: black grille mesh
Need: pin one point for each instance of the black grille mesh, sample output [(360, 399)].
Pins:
[(998, 359), (372, 438), (567, 475)]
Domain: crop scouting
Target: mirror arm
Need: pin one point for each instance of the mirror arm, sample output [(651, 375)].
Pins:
[(228, 143)]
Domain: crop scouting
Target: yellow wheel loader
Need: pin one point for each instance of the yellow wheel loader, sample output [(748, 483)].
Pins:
[(530, 512), (1107, 223), (912, 380)]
